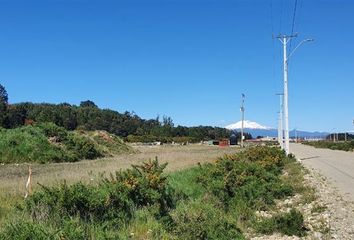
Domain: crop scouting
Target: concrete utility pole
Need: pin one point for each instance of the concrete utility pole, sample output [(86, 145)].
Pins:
[(280, 122), (295, 134), (242, 108), (334, 134), (284, 39)]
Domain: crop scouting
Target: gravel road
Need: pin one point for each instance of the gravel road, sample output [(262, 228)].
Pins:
[(337, 166)]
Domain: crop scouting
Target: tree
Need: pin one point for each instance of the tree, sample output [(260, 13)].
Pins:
[(3, 95), (3, 105), (246, 135), (167, 121), (88, 103)]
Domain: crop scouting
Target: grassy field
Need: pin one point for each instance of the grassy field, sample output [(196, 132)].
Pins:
[(216, 199), (205, 192), (13, 177)]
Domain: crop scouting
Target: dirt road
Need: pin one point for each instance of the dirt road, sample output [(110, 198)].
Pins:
[(337, 166)]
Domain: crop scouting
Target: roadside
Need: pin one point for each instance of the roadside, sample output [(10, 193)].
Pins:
[(330, 173), (338, 215), (326, 214), (336, 165)]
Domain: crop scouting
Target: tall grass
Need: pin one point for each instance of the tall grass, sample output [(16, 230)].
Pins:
[(186, 182)]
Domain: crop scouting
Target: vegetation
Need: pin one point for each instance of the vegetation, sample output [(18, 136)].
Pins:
[(127, 125), (87, 116), (3, 104), (47, 142), (345, 146), (340, 136), (212, 201), (289, 223)]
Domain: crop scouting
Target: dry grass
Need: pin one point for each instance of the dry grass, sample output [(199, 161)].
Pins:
[(13, 177)]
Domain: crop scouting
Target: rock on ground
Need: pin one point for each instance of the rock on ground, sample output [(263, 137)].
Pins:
[(329, 216)]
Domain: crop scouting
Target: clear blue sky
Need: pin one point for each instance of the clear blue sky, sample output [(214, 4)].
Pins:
[(188, 59)]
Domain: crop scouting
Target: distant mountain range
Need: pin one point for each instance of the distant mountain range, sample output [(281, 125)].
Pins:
[(256, 129)]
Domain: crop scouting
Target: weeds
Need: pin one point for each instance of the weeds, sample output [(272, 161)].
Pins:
[(201, 220), (318, 209), (291, 223)]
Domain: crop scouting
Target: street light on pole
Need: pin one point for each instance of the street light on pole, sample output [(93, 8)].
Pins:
[(280, 122), (295, 134), (242, 108), (284, 39), (334, 134)]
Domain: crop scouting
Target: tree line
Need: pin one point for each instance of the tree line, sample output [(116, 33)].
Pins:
[(340, 136), (88, 116)]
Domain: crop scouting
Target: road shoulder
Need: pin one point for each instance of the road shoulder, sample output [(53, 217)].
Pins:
[(339, 212)]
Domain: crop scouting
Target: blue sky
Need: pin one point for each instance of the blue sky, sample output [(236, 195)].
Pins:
[(190, 60)]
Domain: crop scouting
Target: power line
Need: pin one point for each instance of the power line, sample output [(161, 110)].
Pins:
[(271, 16), (293, 24), (294, 17), (298, 14), (281, 16), (273, 44), (242, 108)]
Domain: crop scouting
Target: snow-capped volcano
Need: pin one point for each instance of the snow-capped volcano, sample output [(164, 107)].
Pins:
[(255, 129), (247, 125)]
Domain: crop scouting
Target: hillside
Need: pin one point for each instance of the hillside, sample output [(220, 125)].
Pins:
[(47, 142)]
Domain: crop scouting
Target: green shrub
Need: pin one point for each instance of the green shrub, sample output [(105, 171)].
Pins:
[(270, 158), (344, 146), (147, 186), (144, 225), (82, 146), (112, 201), (73, 229), (46, 142), (252, 179), (52, 130), (28, 144), (88, 202), (23, 230), (200, 220), (291, 223), (98, 211), (70, 229), (186, 182)]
